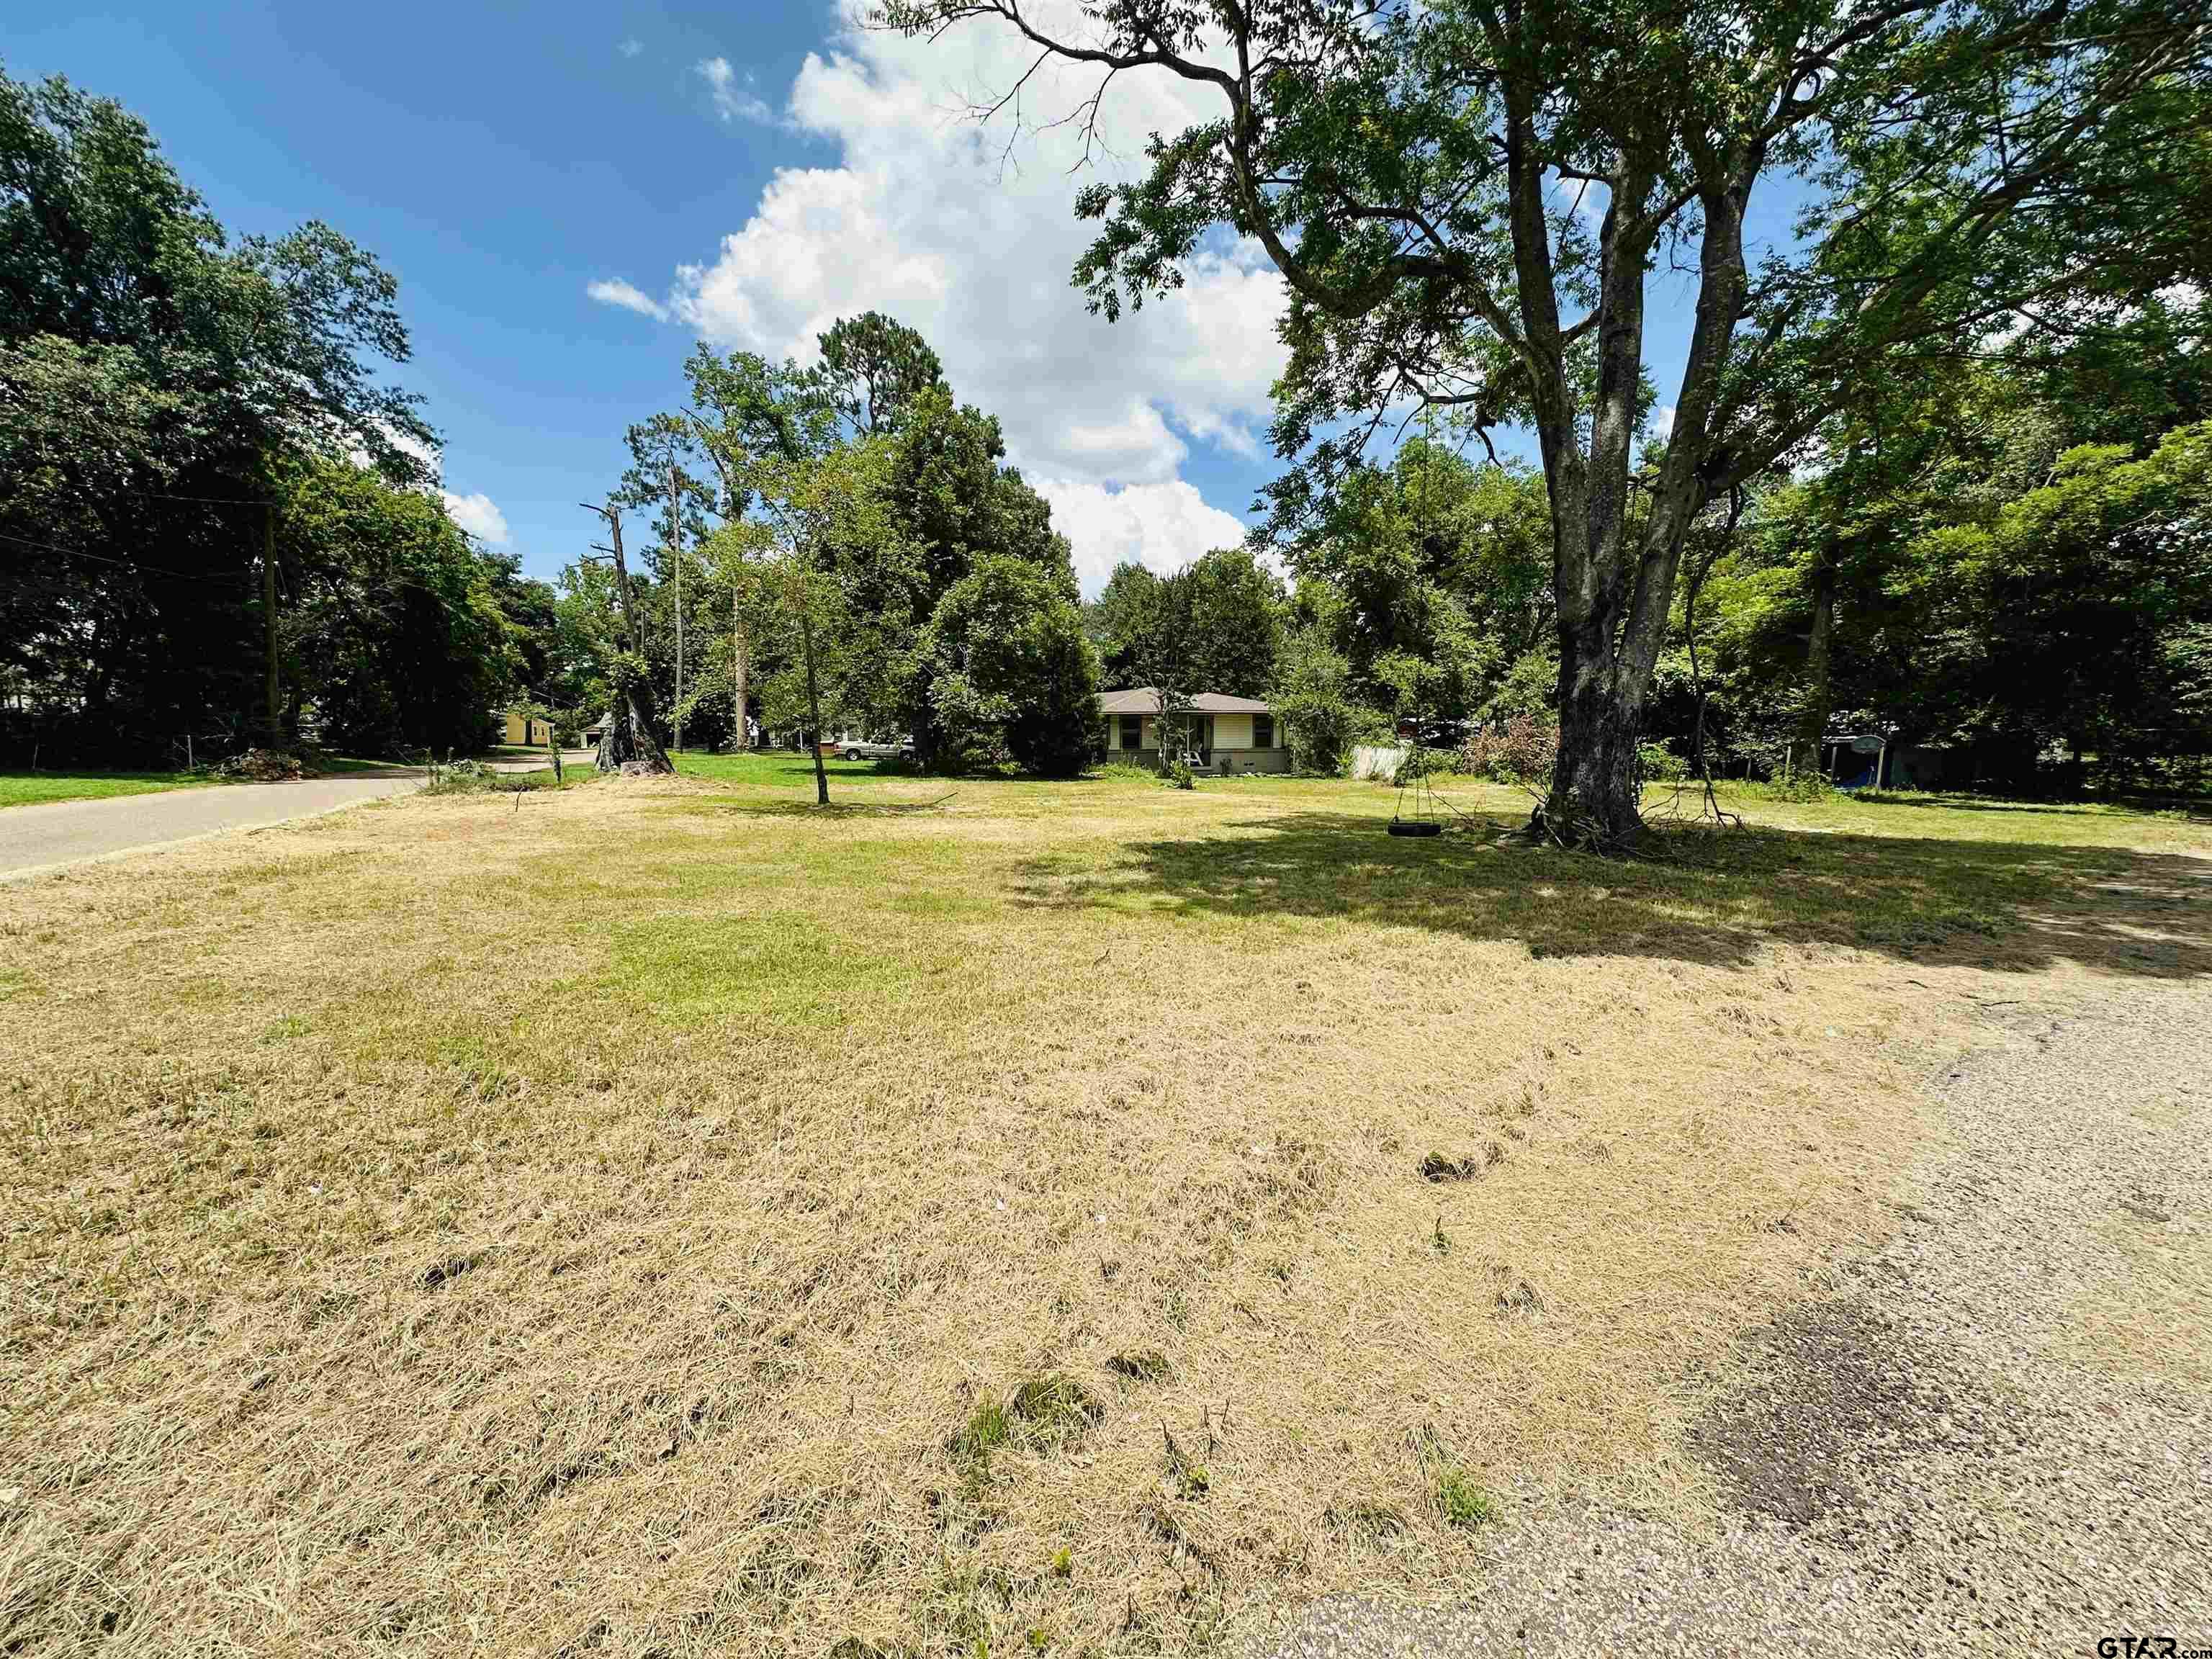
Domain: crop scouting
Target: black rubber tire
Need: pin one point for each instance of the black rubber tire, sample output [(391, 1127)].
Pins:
[(1415, 827)]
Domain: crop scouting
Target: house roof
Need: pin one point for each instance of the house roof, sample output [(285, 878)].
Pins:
[(1145, 700)]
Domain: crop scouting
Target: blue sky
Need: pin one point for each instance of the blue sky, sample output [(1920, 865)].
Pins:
[(501, 159), (739, 171)]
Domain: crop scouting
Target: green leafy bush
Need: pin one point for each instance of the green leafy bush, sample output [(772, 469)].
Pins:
[(1660, 764), (1421, 761), (1313, 696), (1011, 673), (1798, 787)]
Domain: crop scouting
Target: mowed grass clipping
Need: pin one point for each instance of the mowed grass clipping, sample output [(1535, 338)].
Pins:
[(661, 1217)]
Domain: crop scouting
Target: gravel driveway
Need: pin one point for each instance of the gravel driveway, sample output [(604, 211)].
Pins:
[(35, 838), (1995, 1435)]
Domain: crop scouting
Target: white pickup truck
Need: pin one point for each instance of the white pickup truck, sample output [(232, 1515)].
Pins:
[(859, 749)]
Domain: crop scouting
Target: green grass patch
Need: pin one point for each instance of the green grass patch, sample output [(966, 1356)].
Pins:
[(774, 769), (30, 789), (778, 969), (1463, 1503), (1053, 1409)]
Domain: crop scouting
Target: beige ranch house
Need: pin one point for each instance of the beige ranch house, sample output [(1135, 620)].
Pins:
[(1219, 732)]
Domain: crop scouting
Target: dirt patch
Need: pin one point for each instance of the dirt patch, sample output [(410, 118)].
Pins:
[(1828, 1402)]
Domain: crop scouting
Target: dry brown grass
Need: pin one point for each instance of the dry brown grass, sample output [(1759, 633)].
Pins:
[(627, 1221)]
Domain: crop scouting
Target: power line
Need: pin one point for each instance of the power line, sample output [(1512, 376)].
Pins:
[(127, 564), (391, 585), (212, 501)]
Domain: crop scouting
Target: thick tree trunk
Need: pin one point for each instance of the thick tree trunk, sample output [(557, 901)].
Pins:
[(1812, 715), (1596, 797), (628, 737)]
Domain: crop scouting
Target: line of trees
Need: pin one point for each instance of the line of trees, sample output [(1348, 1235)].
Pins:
[(2014, 560), (853, 554), (2014, 564), (217, 523)]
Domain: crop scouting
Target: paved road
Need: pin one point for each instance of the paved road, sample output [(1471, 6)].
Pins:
[(1997, 1437), (539, 763), (34, 838)]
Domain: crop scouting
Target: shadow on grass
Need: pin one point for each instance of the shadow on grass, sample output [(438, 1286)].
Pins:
[(797, 773), (805, 809), (1702, 896), (1974, 804)]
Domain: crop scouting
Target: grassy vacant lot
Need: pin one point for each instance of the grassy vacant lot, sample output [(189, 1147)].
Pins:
[(659, 1216)]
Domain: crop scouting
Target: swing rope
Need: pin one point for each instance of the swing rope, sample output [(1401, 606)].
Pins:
[(1424, 820)]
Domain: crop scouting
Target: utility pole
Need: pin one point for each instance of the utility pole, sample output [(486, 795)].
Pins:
[(676, 552), (274, 711)]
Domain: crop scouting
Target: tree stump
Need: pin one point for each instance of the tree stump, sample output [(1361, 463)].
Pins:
[(628, 743)]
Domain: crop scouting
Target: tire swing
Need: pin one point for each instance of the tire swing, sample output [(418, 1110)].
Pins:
[(1422, 820)]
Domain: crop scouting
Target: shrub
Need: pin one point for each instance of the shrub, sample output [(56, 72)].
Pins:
[(1178, 774), (1660, 764), (1011, 672), (1522, 750), (1800, 786), (1321, 719), (971, 727)]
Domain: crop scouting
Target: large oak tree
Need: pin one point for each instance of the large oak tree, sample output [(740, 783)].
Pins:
[(1469, 200)]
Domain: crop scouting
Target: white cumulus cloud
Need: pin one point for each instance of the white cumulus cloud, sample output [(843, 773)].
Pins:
[(478, 515), (735, 98), (631, 47), (933, 219), (615, 292), (1162, 526)]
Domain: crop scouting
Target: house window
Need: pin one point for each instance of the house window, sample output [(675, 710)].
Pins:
[(1263, 731), (1132, 730)]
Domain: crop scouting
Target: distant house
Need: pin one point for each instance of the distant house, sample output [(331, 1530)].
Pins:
[(1219, 732), (530, 733)]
